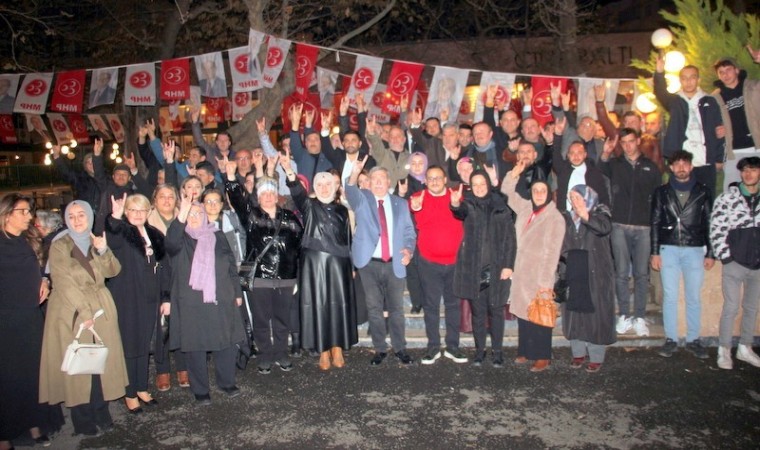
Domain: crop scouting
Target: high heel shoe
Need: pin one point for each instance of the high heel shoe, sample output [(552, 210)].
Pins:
[(150, 400), (133, 405)]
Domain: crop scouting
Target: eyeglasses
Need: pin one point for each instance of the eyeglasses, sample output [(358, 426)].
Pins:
[(435, 178), (195, 214), (212, 202), (137, 211), (24, 211)]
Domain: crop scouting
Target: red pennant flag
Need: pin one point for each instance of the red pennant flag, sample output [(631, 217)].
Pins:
[(175, 79), (402, 81), (215, 109), (541, 106), (78, 128), (68, 94), (306, 60), (310, 104), (7, 130)]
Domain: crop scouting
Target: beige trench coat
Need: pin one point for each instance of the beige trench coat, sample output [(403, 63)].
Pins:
[(538, 248), (79, 289)]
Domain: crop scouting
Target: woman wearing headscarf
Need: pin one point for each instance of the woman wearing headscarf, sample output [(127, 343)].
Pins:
[(205, 296), (415, 181), (588, 318), (485, 261), (328, 306), (273, 238), (79, 265), (540, 231), (22, 323), (136, 290)]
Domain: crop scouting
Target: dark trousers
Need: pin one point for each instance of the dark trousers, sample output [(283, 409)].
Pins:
[(481, 308), (137, 373), (224, 368), (89, 415), (165, 366), (383, 290), (533, 341), (438, 281), (414, 282), (271, 322)]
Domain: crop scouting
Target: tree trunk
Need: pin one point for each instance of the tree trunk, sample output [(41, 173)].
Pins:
[(567, 39)]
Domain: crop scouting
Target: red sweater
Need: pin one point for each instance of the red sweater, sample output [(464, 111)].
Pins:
[(439, 233)]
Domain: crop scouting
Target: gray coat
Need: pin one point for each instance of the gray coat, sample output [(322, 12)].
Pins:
[(198, 326), (597, 327)]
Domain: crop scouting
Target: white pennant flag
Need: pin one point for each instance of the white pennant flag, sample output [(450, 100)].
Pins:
[(118, 129), (505, 81), (140, 85), (276, 54), (61, 128), (446, 92), (8, 88), (243, 79), (364, 79), (587, 99), (326, 80), (241, 105), (211, 76), (33, 95)]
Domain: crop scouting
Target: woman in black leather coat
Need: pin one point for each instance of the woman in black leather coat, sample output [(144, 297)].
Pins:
[(276, 273), (328, 304)]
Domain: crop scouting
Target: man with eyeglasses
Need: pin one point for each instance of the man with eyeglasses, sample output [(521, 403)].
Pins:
[(439, 235)]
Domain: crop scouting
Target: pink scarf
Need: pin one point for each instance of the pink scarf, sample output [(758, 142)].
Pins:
[(203, 269)]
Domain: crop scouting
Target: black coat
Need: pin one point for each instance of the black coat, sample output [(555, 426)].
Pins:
[(85, 186), (564, 170), (596, 327), (280, 262), (328, 303), (198, 326), (486, 224), (136, 290)]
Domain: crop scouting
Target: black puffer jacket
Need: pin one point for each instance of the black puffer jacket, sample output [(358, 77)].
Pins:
[(687, 226), (280, 262)]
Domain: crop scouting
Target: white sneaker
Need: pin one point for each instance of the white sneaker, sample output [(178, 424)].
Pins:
[(624, 324), (745, 353), (640, 327), (724, 358)]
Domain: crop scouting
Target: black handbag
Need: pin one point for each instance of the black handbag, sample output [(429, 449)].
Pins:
[(485, 277), (247, 270)]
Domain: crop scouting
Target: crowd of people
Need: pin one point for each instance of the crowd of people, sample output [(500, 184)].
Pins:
[(284, 249)]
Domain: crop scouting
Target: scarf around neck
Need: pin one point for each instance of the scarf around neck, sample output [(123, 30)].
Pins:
[(203, 268)]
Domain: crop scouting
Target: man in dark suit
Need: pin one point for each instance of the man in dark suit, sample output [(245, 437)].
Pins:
[(383, 246), (7, 100), (103, 93), (211, 85)]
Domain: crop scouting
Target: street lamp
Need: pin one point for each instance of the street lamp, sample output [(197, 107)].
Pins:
[(674, 61), (662, 38), (645, 103)]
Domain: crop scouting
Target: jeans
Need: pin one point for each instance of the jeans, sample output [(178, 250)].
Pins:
[(734, 276), (689, 262), (383, 290), (438, 280), (630, 249)]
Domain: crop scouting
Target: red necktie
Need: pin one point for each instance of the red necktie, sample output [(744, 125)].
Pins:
[(385, 248)]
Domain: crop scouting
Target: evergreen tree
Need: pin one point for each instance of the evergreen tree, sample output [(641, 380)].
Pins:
[(704, 33)]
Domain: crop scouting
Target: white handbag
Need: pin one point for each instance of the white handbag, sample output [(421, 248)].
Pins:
[(85, 359)]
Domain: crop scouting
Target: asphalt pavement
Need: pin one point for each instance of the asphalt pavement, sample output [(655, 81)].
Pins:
[(638, 400)]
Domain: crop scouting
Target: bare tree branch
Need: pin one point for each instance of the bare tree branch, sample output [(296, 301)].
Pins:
[(369, 24)]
